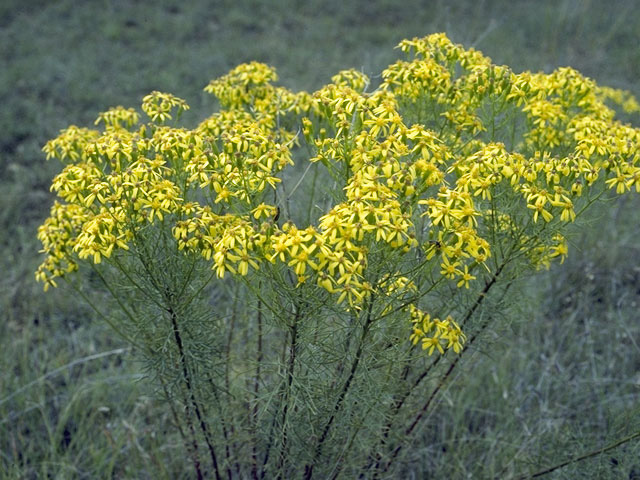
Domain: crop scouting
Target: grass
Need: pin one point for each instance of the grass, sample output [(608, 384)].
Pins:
[(561, 375)]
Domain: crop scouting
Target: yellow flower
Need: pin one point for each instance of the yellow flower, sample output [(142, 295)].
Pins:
[(264, 210), (432, 343), (538, 209), (465, 277), (449, 270), (620, 182)]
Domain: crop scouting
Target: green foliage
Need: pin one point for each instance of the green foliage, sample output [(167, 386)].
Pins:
[(43, 89)]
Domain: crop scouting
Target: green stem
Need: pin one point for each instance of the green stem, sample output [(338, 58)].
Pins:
[(256, 387), (223, 425), (106, 319), (228, 361), (308, 469), (176, 419), (293, 347), (313, 193), (584, 456), (197, 292), (479, 300), (274, 419), (190, 389), (143, 291)]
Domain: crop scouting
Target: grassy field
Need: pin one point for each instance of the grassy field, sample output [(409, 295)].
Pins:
[(561, 376)]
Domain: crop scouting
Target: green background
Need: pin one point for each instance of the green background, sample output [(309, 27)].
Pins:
[(561, 374)]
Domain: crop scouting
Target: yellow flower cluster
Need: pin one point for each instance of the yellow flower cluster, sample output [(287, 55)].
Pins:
[(244, 85), (351, 78), (229, 240), (158, 105), (447, 161), (119, 117), (432, 332), (58, 236), (240, 159), (250, 86), (114, 181)]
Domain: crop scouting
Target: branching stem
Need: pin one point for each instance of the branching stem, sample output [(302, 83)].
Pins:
[(293, 347), (308, 469), (192, 398), (479, 300)]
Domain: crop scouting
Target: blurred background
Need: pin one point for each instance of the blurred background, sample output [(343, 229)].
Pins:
[(562, 375)]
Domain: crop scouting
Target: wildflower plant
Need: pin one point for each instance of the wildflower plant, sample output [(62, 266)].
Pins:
[(301, 273)]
